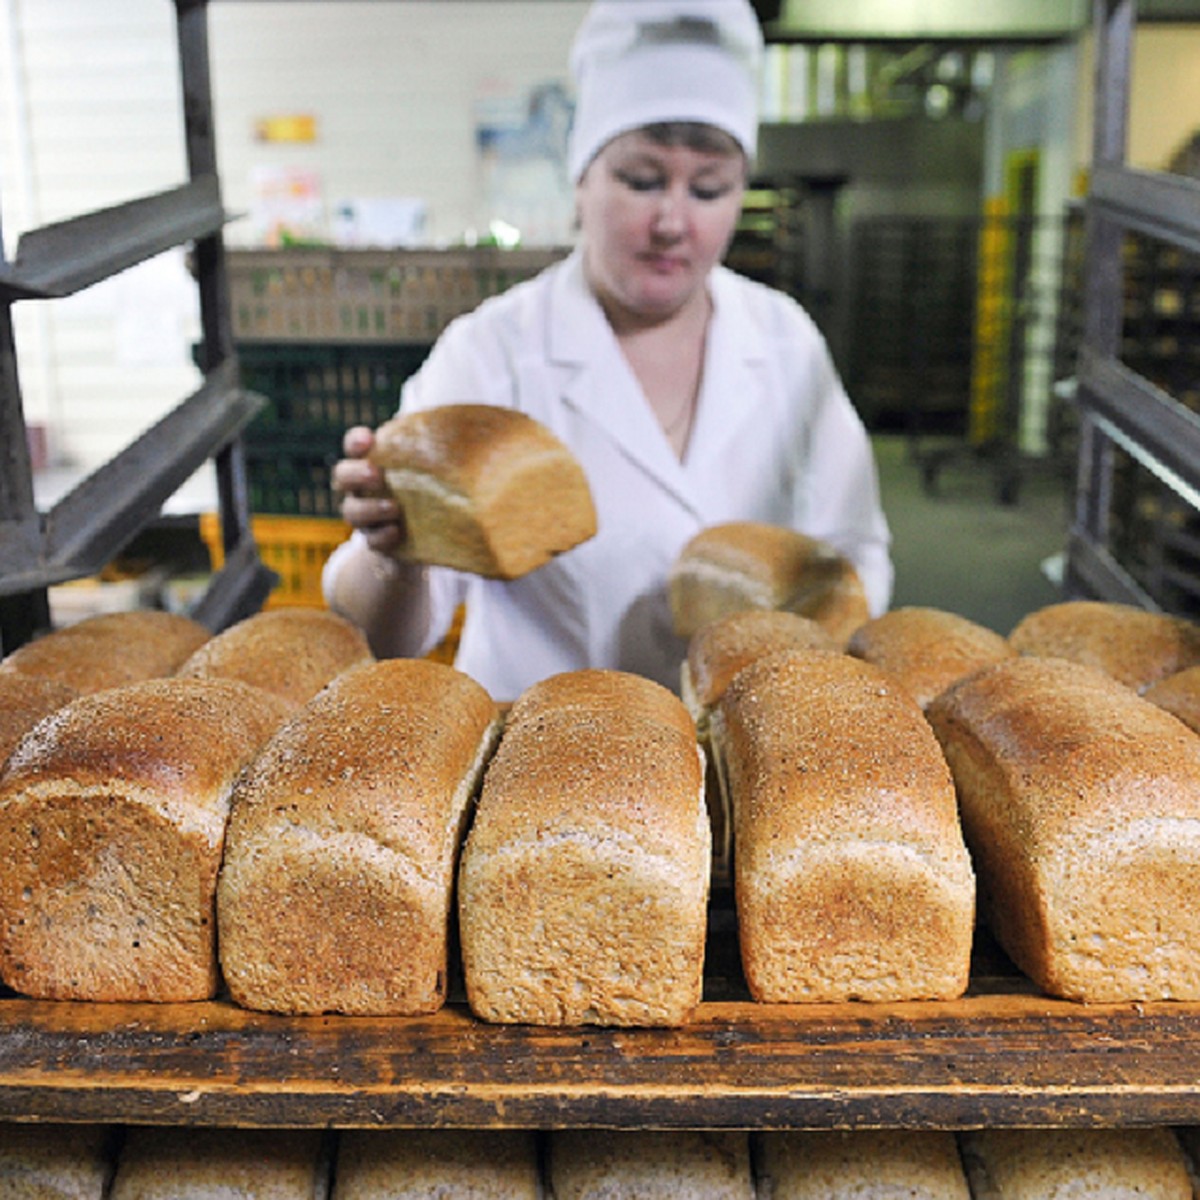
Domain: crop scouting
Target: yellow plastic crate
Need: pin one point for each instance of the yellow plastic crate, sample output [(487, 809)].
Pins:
[(294, 547)]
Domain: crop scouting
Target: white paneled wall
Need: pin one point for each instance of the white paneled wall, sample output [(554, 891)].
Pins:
[(90, 115)]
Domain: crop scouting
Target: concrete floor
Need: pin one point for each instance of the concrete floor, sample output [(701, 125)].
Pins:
[(956, 546)]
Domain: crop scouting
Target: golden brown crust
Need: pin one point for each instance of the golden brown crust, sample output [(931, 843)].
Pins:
[(290, 652), (24, 701), (584, 880), (740, 565), (339, 861), (484, 489), (1133, 646), (114, 817), (1179, 694), (111, 650), (718, 651), (851, 877), (1080, 803), (927, 649)]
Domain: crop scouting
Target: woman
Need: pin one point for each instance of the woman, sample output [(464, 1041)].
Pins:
[(690, 396)]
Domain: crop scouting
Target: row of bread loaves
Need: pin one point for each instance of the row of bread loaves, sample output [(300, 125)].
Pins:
[(56, 1162)]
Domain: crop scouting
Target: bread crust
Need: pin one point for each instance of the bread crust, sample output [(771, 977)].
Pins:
[(110, 650), (290, 652), (739, 565), (483, 489), (1179, 694), (24, 701), (927, 649), (850, 873), (1132, 645), (583, 887), (336, 887), (1081, 805), (113, 822)]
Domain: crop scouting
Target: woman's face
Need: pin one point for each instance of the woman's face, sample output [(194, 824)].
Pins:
[(655, 220)]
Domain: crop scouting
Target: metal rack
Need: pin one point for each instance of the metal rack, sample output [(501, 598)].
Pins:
[(1123, 414), (83, 531)]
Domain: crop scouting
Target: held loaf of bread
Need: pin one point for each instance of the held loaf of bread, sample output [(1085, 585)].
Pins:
[(484, 489), (110, 650), (336, 888), (112, 822), (927, 649), (626, 1164), (1130, 644), (290, 652), (220, 1164), (584, 880), (747, 564), (861, 1164), (1080, 801), (851, 878), (432, 1164), (1116, 1164)]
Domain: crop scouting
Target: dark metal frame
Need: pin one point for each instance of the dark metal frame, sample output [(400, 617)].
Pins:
[(99, 516), (1120, 409)]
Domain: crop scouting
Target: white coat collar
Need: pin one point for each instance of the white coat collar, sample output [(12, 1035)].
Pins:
[(599, 382)]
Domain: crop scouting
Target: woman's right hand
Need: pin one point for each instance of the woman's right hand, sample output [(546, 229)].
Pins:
[(363, 497)]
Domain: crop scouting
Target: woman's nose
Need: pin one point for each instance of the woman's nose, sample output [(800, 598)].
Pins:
[(670, 217)]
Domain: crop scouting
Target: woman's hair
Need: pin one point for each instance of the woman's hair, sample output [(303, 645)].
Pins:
[(693, 135)]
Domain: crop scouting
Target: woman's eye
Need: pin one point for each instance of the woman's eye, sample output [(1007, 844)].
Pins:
[(710, 193), (641, 183)]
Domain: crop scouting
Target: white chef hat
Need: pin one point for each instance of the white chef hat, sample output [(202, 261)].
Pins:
[(637, 62)]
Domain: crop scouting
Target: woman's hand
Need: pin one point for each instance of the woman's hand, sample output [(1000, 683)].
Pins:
[(363, 497)]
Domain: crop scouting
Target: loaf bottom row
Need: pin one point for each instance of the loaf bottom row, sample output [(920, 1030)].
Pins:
[(58, 1162)]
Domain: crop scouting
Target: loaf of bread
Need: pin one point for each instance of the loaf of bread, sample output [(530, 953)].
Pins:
[(1115, 1164), (220, 1164), (747, 564), (55, 1162), (1179, 694), (927, 649), (291, 652), (112, 821), (583, 887), (1080, 802), (110, 650), (437, 1164), (484, 489), (851, 878), (607, 1164), (862, 1164), (1130, 644), (337, 884), (24, 701)]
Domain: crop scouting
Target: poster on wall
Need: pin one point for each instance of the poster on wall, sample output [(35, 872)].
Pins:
[(521, 140), (287, 206)]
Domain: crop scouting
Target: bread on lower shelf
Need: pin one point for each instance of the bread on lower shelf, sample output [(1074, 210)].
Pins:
[(290, 652), (851, 877), (1080, 801), (584, 880), (602, 1164), (927, 649), (437, 1164), (337, 884), (167, 1163), (112, 822), (1116, 1164), (861, 1164), (55, 1162), (110, 650)]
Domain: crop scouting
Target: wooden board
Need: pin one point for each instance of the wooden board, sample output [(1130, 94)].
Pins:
[(989, 1059)]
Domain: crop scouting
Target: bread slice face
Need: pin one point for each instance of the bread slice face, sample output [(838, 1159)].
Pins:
[(484, 489), (337, 884), (584, 881), (851, 877), (1080, 801), (112, 822)]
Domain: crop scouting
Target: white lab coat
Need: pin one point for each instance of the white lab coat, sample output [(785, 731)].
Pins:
[(775, 439)]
